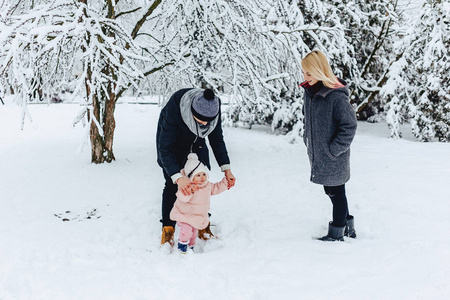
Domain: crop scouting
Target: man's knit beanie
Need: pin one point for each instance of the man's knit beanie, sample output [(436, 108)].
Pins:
[(205, 105)]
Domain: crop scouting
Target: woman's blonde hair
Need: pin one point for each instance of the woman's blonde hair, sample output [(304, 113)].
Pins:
[(316, 64)]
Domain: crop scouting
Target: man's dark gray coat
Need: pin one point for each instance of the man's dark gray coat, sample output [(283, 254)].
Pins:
[(174, 140)]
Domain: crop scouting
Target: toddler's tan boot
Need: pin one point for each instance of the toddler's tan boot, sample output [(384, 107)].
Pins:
[(206, 234)]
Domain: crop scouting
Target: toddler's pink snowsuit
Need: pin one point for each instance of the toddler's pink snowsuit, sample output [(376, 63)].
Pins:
[(191, 212)]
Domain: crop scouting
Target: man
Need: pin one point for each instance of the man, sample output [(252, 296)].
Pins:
[(186, 120)]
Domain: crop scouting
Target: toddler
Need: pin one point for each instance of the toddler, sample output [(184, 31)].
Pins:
[(191, 211)]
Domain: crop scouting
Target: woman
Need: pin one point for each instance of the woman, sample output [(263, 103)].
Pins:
[(329, 128)]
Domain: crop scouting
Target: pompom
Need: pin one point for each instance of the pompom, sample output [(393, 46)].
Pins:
[(208, 94), (192, 156), (193, 166)]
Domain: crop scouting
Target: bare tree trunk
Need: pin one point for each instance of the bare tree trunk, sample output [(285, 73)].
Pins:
[(102, 145), (101, 140), (96, 138), (109, 126)]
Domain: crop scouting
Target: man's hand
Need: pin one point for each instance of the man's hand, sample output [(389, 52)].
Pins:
[(184, 185), (230, 178)]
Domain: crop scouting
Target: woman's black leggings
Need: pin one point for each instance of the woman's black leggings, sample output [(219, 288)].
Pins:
[(340, 205)]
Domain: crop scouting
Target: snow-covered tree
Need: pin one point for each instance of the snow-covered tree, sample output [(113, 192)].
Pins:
[(248, 51), (227, 46), (418, 88), (292, 29), (43, 40), (237, 47), (369, 29)]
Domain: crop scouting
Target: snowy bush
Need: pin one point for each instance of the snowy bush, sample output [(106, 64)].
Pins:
[(418, 86)]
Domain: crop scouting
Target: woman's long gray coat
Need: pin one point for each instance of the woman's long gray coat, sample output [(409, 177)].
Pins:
[(330, 125)]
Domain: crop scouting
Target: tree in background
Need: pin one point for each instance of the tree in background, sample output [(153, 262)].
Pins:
[(418, 88), (43, 41), (122, 46), (369, 29), (228, 46), (247, 51), (291, 29)]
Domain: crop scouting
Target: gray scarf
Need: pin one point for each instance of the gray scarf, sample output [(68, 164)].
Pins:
[(186, 114)]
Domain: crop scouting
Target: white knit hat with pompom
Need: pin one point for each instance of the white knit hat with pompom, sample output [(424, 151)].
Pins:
[(194, 166)]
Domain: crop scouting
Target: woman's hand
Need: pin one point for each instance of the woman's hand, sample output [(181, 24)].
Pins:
[(230, 178)]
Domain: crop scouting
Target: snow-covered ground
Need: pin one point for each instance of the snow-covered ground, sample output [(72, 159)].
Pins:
[(109, 248)]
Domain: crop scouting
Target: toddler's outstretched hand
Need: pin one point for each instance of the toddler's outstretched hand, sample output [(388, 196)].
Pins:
[(194, 188), (230, 178)]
